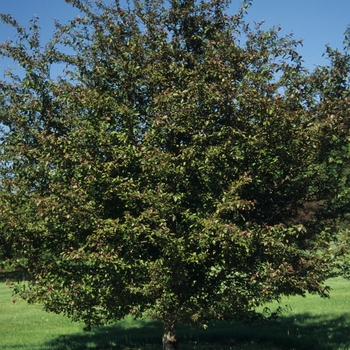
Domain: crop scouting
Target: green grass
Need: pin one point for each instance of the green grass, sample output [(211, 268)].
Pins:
[(312, 324)]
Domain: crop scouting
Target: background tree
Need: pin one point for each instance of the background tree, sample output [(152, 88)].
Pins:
[(184, 167)]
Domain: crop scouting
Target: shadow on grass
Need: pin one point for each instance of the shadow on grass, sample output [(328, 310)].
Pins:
[(303, 332), (300, 332), (143, 335), (11, 276)]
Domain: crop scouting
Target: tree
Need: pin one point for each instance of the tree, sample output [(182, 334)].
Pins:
[(184, 166)]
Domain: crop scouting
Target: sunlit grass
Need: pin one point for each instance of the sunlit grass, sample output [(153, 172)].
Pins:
[(27, 327), (313, 323)]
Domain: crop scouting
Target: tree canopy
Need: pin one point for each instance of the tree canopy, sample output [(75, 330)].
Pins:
[(185, 165)]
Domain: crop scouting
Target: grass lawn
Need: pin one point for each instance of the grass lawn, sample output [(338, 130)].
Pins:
[(312, 324)]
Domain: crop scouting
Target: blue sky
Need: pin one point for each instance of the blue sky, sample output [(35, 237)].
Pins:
[(318, 22)]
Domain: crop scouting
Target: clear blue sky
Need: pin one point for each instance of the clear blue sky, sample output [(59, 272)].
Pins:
[(318, 22)]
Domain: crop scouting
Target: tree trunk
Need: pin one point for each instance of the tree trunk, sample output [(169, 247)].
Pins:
[(169, 336)]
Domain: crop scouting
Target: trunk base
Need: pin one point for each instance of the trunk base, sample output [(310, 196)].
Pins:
[(169, 337)]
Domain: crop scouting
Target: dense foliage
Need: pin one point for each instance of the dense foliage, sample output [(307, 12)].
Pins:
[(184, 166)]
